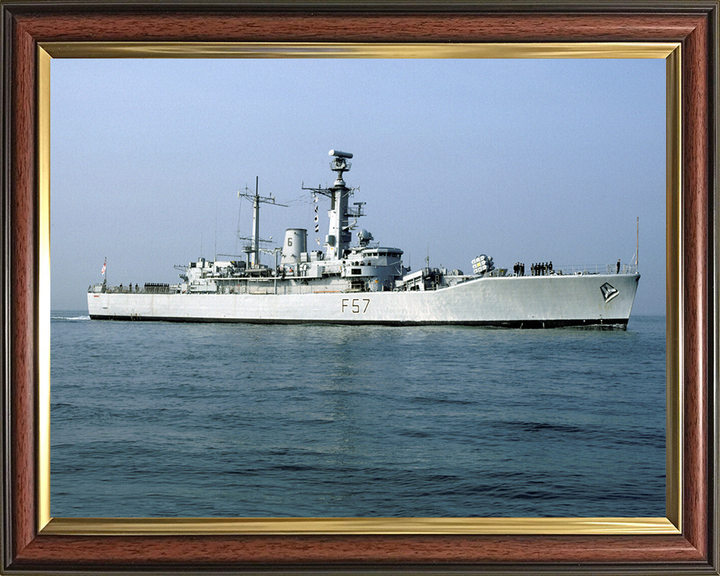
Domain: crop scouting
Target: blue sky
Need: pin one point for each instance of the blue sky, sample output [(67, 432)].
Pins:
[(523, 160)]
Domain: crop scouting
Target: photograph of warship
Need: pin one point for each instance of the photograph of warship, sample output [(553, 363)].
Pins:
[(366, 283)]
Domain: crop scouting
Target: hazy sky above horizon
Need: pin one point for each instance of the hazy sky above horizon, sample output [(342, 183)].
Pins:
[(523, 160)]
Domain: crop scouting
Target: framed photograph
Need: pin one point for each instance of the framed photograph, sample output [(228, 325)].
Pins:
[(325, 536)]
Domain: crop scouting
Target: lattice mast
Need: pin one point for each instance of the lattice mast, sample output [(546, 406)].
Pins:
[(253, 249)]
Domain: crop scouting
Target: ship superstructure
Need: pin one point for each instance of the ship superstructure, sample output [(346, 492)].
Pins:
[(364, 282)]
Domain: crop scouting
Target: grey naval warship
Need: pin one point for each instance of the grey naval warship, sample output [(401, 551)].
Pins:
[(366, 283)]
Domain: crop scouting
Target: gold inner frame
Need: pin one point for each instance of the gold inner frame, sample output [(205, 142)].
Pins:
[(671, 524)]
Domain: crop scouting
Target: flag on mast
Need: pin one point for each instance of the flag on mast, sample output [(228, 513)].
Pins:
[(104, 266)]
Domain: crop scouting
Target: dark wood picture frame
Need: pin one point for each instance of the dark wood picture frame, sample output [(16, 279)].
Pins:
[(26, 24)]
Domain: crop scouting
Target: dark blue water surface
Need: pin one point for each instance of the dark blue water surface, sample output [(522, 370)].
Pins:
[(158, 419)]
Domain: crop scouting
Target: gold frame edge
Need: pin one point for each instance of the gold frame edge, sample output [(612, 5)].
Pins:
[(673, 298), (167, 526), (358, 50), (350, 526), (43, 409)]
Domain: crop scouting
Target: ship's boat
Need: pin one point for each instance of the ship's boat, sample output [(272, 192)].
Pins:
[(365, 283)]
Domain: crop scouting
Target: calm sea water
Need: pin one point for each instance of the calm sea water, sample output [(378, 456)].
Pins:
[(156, 419)]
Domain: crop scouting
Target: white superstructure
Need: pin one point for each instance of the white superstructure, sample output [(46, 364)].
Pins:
[(366, 283)]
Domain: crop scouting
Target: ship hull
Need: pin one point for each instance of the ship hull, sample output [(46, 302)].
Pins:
[(522, 302)]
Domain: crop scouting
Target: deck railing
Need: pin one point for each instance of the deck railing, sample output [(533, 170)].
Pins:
[(133, 289), (573, 269), (543, 269)]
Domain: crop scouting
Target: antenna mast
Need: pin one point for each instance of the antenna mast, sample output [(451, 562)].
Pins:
[(253, 250), (339, 233)]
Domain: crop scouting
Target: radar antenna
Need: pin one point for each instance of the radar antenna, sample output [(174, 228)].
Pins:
[(340, 165)]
